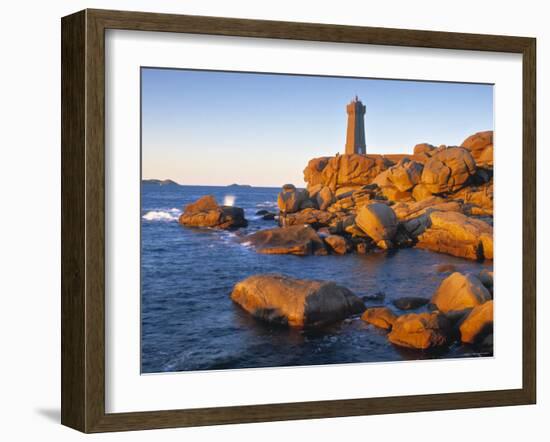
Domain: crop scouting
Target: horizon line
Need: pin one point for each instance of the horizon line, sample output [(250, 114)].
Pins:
[(218, 185)]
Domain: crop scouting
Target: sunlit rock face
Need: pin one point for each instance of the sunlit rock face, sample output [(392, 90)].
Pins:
[(378, 221), (478, 324), (448, 170), (458, 292), (457, 234), (345, 170), (292, 240), (205, 212), (420, 330), (295, 302), (480, 146)]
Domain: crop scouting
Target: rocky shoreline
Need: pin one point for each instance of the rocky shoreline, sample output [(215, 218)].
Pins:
[(438, 199), (460, 310)]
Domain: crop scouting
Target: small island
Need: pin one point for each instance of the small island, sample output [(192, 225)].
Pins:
[(235, 185), (157, 182)]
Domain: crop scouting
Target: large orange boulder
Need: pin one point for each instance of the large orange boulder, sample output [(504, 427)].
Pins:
[(419, 330), (424, 148), (295, 302), (448, 170), (292, 200), (480, 146), (423, 152), (457, 234), (458, 292), (378, 221), (409, 210), (478, 324), (405, 175), (206, 212), (313, 173), (294, 240)]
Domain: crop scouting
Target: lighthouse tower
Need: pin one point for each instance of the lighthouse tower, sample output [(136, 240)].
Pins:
[(355, 138)]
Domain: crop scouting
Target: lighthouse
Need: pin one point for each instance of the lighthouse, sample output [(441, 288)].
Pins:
[(355, 137)]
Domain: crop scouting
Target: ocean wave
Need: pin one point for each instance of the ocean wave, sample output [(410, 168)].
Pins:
[(228, 236), (229, 200), (267, 204), (161, 215)]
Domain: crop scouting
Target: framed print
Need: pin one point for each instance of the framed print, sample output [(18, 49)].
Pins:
[(267, 220)]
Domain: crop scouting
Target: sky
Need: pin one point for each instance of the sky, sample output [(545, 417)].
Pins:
[(219, 128)]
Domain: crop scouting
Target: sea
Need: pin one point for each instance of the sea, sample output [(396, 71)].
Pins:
[(189, 323)]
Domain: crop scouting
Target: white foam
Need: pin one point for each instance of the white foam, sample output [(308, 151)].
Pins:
[(267, 204), (160, 215), (229, 200)]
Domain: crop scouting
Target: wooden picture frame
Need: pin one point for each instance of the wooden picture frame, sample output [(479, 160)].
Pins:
[(83, 219)]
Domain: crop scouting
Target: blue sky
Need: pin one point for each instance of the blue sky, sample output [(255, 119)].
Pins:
[(217, 128)]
